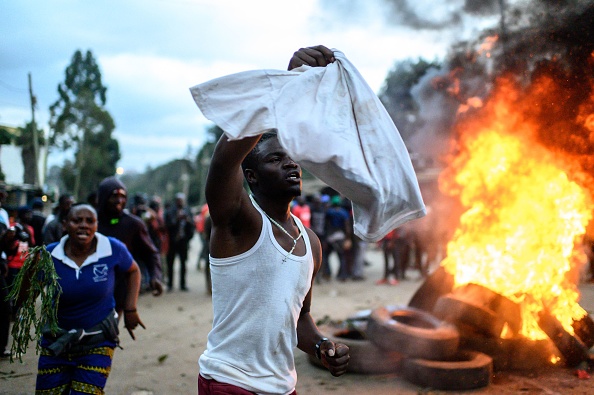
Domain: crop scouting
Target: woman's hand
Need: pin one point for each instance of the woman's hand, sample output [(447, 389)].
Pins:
[(131, 321)]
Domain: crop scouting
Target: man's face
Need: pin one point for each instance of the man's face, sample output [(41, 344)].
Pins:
[(276, 171), (66, 204), (116, 201)]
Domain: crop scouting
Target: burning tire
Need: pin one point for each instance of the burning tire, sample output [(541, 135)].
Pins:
[(464, 371), (502, 306), (459, 312), (414, 333), (439, 283), (584, 329), (366, 358)]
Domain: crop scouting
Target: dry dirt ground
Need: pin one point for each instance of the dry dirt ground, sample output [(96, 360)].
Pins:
[(163, 359)]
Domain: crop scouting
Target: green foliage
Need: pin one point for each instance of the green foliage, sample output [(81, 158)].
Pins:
[(5, 136), (79, 121), (26, 140), (25, 136), (38, 271)]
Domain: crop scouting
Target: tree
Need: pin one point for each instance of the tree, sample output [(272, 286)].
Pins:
[(79, 121), (213, 134), (26, 141)]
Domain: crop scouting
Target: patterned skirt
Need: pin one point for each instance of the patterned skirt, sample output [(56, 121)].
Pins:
[(74, 372)]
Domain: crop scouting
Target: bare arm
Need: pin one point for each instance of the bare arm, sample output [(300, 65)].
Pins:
[(335, 357), (131, 317), (235, 221), (150, 255)]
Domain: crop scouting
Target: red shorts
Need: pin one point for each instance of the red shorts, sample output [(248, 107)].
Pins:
[(213, 387)]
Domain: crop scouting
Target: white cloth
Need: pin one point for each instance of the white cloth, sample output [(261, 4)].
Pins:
[(329, 121)]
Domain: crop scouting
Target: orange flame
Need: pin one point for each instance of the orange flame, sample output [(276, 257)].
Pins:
[(524, 214)]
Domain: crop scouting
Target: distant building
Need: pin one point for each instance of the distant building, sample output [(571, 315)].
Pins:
[(11, 164)]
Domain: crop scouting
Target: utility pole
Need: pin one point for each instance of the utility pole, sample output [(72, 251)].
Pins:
[(34, 131)]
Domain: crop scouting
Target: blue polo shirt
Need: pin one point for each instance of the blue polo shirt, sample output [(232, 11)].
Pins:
[(87, 291)]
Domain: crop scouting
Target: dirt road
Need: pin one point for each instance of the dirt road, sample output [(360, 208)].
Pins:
[(163, 359)]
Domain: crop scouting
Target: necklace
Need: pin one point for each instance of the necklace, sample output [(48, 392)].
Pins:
[(295, 239)]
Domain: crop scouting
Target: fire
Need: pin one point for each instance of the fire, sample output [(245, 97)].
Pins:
[(524, 214)]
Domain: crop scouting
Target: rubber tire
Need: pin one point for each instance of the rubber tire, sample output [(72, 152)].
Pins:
[(439, 283), (358, 321), (412, 332), (366, 358), (466, 370), (500, 305), (517, 354), (584, 329), (460, 312)]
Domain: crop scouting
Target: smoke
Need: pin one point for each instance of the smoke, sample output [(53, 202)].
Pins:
[(404, 13), (532, 42), (436, 118), (417, 15), (482, 7), (538, 43)]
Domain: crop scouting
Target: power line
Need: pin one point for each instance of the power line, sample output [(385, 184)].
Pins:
[(12, 103), (12, 88)]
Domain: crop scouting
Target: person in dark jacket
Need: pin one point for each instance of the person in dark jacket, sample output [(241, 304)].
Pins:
[(37, 220), (114, 221), (181, 228)]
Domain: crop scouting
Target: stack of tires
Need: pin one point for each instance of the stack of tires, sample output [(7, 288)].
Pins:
[(490, 323), (413, 344)]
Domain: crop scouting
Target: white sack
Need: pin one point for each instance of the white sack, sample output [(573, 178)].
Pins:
[(330, 121)]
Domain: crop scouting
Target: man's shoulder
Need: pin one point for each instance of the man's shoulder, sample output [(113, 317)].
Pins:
[(53, 223), (131, 220)]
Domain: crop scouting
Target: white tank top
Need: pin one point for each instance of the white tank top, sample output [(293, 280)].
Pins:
[(257, 300)]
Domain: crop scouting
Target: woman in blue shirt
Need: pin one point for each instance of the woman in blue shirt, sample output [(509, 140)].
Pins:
[(78, 358)]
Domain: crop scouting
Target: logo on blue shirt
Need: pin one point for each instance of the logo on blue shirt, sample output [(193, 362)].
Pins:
[(100, 273)]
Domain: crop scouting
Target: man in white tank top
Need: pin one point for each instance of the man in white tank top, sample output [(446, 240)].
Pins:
[(263, 261)]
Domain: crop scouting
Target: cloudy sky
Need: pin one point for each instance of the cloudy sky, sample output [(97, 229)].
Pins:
[(151, 51)]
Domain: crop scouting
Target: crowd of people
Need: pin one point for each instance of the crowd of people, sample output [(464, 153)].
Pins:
[(107, 250), (330, 216), (155, 237)]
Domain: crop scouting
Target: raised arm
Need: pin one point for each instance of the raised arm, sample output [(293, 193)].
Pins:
[(235, 221)]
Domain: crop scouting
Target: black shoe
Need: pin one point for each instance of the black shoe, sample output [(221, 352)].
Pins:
[(6, 354), (184, 289)]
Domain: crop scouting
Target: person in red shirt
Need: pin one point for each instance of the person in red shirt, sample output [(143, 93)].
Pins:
[(302, 211), (17, 240)]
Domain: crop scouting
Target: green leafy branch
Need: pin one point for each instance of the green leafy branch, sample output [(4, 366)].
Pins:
[(37, 277)]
